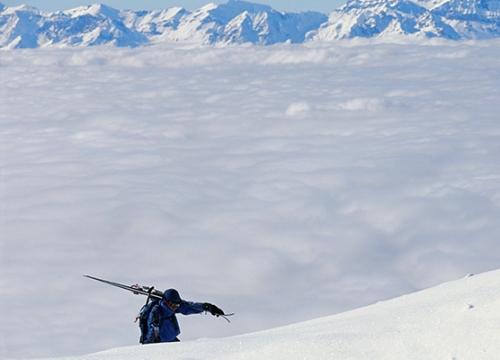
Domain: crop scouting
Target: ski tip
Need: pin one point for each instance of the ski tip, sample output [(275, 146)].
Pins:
[(225, 317)]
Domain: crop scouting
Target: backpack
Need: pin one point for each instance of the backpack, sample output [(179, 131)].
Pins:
[(143, 319)]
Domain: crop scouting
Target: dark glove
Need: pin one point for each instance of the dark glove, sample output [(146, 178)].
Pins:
[(214, 310)]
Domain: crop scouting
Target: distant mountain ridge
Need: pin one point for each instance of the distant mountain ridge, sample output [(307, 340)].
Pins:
[(243, 22), (450, 19), (233, 22)]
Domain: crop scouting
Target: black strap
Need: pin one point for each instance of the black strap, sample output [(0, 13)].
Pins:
[(149, 294)]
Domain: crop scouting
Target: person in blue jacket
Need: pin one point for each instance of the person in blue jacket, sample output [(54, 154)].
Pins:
[(162, 322)]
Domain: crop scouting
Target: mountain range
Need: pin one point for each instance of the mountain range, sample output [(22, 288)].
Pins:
[(237, 22), (450, 19)]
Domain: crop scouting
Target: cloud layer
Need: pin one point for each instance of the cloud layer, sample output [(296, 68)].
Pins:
[(282, 183)]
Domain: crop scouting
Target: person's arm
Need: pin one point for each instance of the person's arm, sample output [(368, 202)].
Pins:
[(189, 307)]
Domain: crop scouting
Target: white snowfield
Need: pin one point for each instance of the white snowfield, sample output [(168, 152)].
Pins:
[(456, 320)]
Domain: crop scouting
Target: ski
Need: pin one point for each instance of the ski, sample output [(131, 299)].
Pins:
[(225, 316), (138, 290)]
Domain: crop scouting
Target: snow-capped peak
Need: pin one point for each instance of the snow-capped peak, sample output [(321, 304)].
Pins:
[(431, 4), (20, 8), (450, 19), (94, 10), (207, 7), (241, 6)]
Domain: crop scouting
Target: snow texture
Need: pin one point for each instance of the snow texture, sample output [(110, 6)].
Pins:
[(283, 183)]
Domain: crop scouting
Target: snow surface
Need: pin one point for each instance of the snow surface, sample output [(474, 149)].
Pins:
[(282, 183), (456, 320)]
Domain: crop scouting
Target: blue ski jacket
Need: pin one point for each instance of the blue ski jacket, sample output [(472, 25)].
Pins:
[(164, 319)]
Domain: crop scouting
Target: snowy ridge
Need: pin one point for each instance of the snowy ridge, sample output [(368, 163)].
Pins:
[(28, 27), (239, 22), (233, 22), (453, 19), (456, 320)]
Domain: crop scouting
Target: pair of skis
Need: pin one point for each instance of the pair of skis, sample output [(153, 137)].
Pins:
[(148, 291), (136, 289)]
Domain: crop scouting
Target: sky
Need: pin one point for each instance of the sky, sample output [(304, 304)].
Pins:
[(282, 183), (324, 6)]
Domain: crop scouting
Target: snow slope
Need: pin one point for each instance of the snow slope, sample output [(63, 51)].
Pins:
[(456, 320)]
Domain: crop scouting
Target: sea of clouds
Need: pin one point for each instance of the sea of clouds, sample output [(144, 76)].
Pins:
[(282, 183)]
